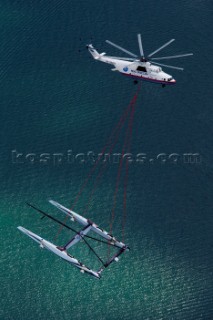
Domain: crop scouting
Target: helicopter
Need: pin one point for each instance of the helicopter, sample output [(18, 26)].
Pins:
[(140, 67)]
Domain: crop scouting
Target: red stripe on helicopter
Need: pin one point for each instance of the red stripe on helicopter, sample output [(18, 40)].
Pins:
[(148, 79)]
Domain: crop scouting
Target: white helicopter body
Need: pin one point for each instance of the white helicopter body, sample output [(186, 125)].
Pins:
[(136, 69), (139, 68)]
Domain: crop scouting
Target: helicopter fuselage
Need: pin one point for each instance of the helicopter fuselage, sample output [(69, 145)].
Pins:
[(139, 70)]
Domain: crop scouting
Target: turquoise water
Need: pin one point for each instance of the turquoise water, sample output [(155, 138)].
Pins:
[(55, 98)]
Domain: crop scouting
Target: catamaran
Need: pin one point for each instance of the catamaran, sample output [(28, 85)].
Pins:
[(88, 226)]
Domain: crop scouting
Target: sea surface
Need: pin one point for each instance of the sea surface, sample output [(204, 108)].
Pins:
[(55, 99)]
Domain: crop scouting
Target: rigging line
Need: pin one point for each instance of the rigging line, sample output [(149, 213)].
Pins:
[(119, 176), (99, 258), (125, 193), (118, 182), (117, 127), (97, 180), (126, 181), (102, 241), (109, 142), (102, 171), (120, 170), (127, 138), (64, 225), (125, 201), (121, 160), (123, 117), (68, 227)]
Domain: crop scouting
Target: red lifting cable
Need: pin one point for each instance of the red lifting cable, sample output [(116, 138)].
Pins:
[(97, 180), (116, 128), (119, 170), (99, 158), (119, 175), (126, 180), (128, 132), (126, 144)]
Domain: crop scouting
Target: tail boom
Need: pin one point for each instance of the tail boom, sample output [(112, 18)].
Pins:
[(94, 52)]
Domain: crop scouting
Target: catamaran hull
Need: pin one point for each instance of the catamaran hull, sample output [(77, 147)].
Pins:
[(79, 235), (94, 227), (59, 252)]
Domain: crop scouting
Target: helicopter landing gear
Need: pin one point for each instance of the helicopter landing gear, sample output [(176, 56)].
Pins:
[(135, 81), (163, 85)]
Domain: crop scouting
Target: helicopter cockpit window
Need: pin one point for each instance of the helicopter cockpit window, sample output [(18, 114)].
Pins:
[(139, 68)]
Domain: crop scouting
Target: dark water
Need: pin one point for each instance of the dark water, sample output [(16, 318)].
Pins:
[(55, 98)]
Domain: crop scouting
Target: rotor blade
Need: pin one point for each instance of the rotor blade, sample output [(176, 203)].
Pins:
[(140, 45), (120, 48), (165, 65), (165, 45), (174, 57), (122, 58)]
